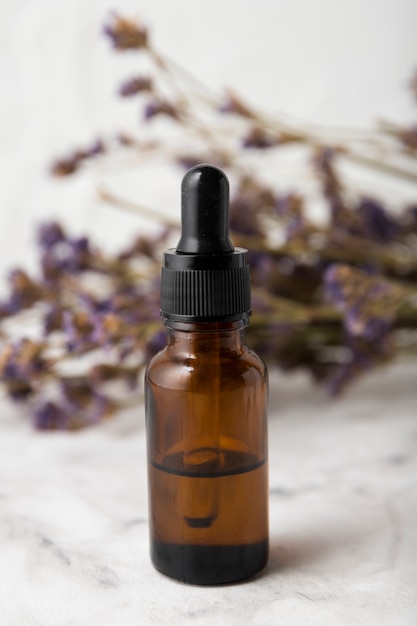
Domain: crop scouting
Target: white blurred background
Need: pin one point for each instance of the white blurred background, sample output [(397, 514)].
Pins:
[(344, 62)]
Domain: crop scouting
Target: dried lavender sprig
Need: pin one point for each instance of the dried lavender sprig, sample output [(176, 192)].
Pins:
[(344, 246), (292, 326), (132, 207), (129, 34)]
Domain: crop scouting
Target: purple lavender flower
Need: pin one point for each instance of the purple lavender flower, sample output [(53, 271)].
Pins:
[(379, 226), (66, 165), (334, 286), (24, 292), (22, 364), (100, 407), (135, 85), (19, 390), (21, 360), (71, 163), (52, 319), (126, 34), (258, 139), (72, 256), (50, 267), (97, 147), (155, 344), (232, 104), (157, 107), (289, 208), (77, 391), (74, 411), (49, 234), (81, 400), (51, 416), (95, 305), (81, 246), (70, 330), (369, 303), (357, 323), (78, 327), (107, 329)]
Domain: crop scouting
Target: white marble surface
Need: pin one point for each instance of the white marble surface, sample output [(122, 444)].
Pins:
[(73, 519)]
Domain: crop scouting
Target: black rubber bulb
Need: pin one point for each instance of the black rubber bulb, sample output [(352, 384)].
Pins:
[(205, 212)]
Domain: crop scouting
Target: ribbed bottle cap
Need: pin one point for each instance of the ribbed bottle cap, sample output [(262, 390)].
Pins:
[(205, 278)]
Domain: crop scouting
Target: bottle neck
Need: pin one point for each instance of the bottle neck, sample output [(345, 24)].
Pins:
[(206, 337)]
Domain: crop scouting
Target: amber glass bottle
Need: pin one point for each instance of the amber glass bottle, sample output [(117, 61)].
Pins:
[(206, 395)]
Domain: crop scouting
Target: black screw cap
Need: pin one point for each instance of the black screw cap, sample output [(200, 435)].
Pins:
[(205, 278)]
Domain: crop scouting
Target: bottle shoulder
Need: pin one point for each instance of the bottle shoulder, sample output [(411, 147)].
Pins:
[(181, 368), (256, 360)]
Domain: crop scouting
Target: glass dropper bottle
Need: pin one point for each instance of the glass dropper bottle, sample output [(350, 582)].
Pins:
[(206, 397)]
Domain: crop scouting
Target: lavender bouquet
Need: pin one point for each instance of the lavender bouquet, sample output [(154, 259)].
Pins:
[(336, 297)]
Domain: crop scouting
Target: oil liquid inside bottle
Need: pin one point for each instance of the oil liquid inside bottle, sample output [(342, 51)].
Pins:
[(209, 500)]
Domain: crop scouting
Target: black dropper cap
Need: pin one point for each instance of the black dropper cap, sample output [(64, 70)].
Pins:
[(205, 279)]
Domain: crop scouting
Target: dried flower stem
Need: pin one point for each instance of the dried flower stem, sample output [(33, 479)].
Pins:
[(132, 207), (336, 300)]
